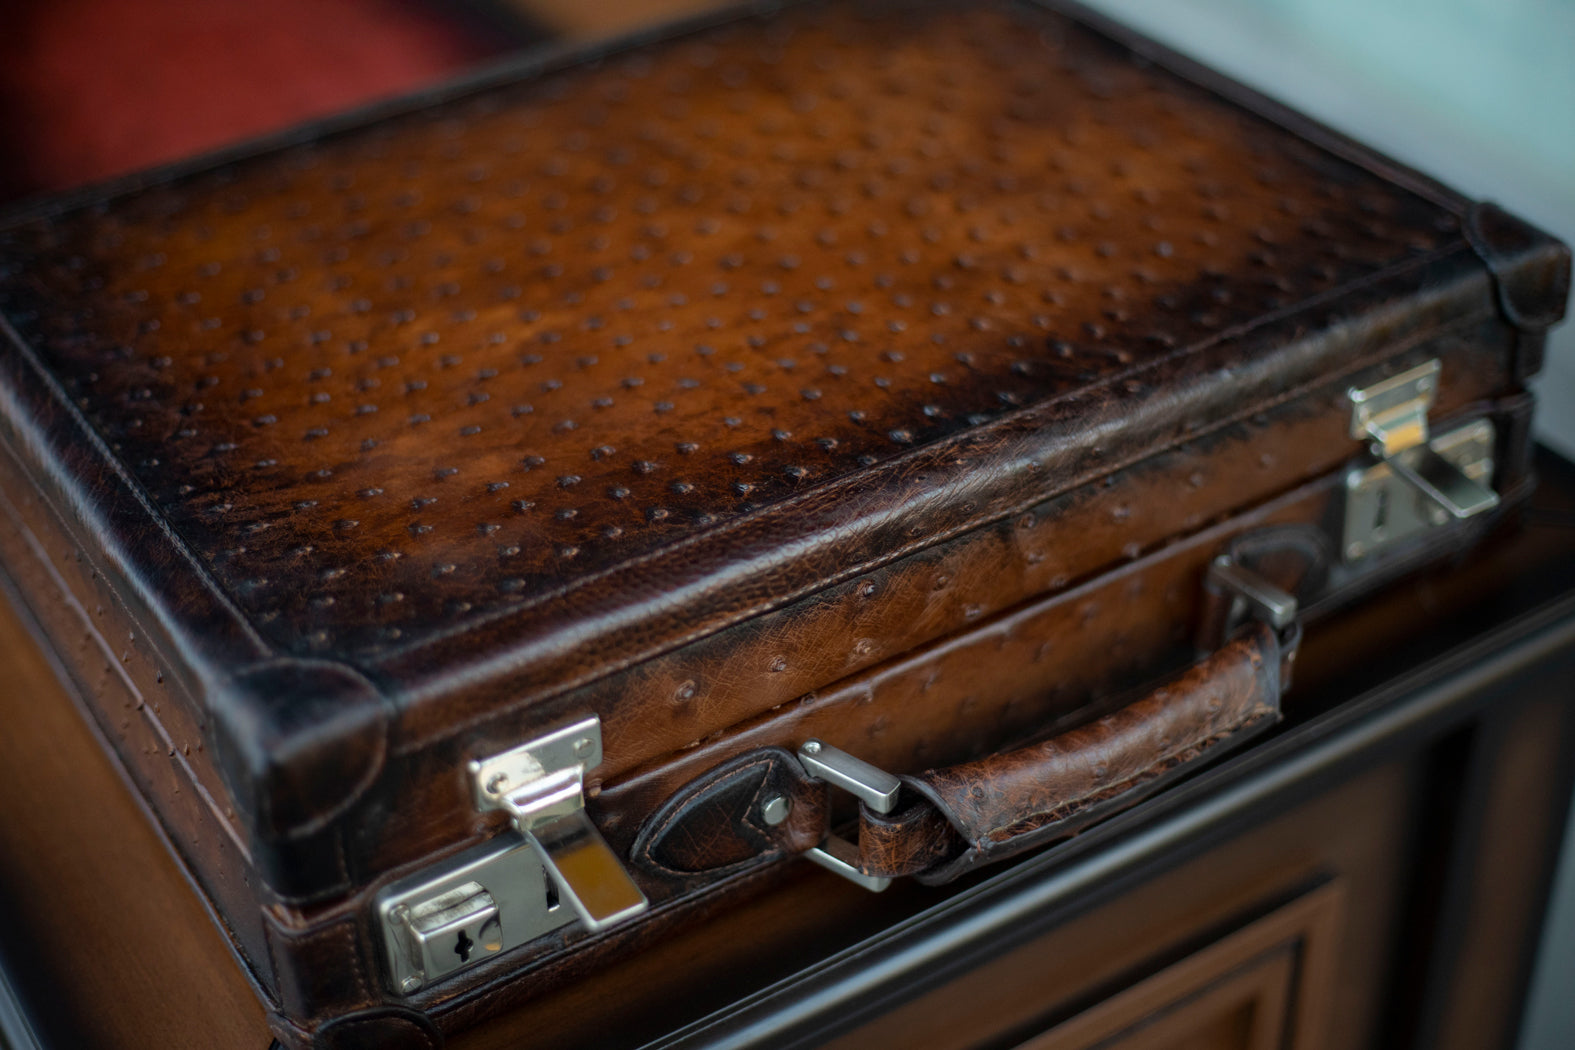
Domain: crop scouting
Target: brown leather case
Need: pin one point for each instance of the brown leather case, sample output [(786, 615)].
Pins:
[(885, 374)]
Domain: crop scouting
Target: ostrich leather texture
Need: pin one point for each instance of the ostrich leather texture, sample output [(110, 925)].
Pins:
[(722, 384)]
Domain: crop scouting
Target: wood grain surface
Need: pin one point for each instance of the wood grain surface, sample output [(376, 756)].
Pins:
[(113, 944), (1056, 983)]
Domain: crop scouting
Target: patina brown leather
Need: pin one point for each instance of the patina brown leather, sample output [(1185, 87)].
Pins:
[(695, 385), (488, 414), (1042, 665)]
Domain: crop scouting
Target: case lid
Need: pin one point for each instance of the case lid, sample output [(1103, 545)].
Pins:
[(542, 378)]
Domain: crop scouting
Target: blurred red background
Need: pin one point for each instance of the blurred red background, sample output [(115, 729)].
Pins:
[(95, 88)]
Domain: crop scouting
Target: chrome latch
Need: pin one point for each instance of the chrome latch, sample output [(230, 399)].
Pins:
[(1387, 502), (1251, 597), (465, 910), (872, 786), (553, 868), (1394, 412), (541, 785), (1418, 480)]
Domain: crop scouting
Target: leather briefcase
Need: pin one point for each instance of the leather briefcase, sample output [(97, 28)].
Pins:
[(496, 529)]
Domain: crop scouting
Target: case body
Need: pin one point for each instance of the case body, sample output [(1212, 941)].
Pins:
[(888, 374)]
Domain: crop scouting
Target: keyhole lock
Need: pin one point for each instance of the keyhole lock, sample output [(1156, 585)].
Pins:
[(488, 939), (450, 931), (551, 869)]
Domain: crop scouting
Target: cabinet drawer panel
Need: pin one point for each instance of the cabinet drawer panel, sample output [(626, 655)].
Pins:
[(1263, 987), (1183, 927)]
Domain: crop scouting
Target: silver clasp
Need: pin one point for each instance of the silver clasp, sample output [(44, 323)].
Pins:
[(1252, 596), (1393, 415), (872, 786), (1394, 412), (541, 785)]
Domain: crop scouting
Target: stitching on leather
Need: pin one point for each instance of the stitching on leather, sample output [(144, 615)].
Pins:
[(43, 564), (645, 841), (677, 812), (269, 932), (341, 931), (754, 800), (345, 933)]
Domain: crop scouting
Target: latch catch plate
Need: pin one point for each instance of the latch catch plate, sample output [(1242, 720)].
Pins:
[(1383, 505), (1393, 412), (561, 756)]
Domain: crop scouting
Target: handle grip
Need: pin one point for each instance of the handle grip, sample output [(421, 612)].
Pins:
[(961, 816), (943, 822)]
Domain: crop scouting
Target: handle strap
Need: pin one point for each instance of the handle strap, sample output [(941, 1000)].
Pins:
[(944, 822), (965, 815)]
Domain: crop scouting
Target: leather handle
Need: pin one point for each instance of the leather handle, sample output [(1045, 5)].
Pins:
[(764, 803), (958, 817)]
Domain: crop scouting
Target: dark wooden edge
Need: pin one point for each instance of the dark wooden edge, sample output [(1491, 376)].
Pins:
[(11, 594), (17, 1030), (1319, 884), (1546, 883), (984, 920), (1438, 986)]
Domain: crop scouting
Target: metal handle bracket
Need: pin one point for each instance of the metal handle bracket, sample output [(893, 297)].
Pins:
[(872, 786)]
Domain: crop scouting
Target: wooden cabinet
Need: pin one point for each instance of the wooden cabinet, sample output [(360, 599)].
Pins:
[(1255, 945), (1264, 986)]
